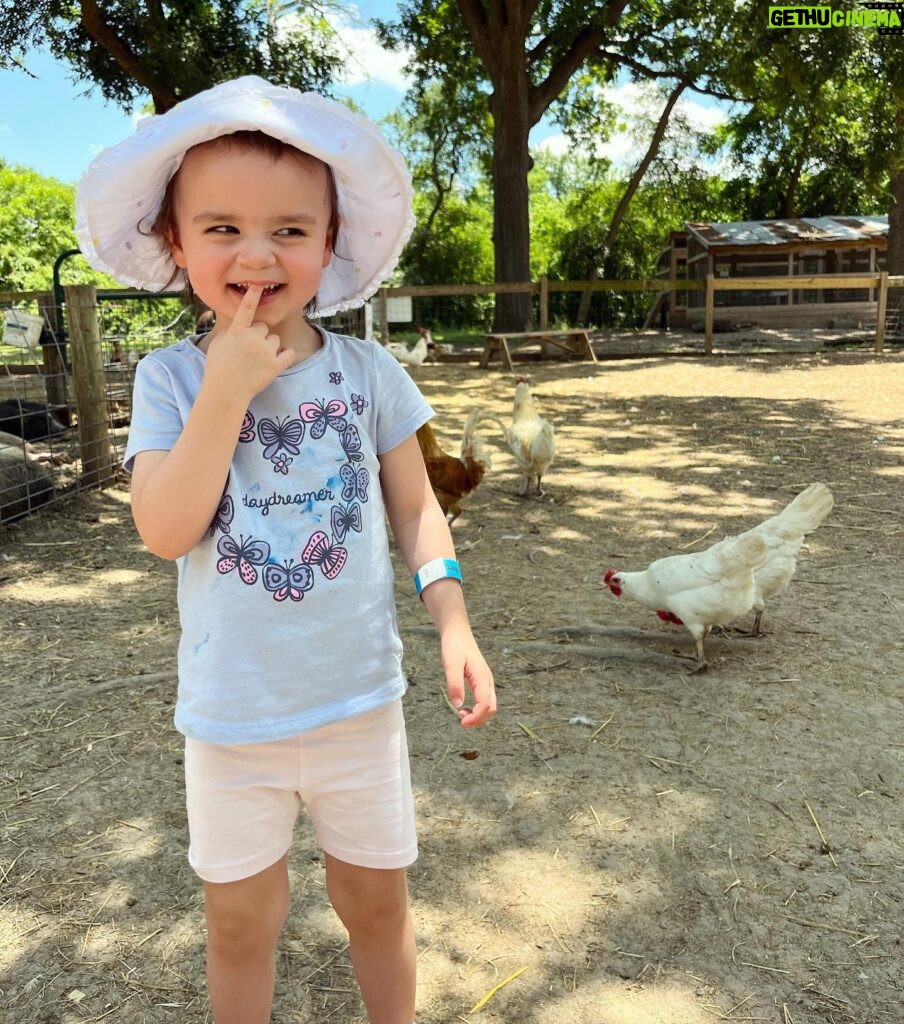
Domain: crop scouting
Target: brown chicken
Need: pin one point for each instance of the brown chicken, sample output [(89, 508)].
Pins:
[(453, 479)]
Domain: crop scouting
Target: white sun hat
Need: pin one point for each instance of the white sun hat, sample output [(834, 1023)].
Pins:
[(120, 195)]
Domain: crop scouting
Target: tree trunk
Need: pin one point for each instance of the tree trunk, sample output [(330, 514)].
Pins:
[(510, 108), (894, 254), (500, 30)]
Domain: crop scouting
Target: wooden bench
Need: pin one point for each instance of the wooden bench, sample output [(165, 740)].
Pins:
[(574, 343)]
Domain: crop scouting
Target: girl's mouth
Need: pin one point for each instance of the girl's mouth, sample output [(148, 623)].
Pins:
[(270, 289)]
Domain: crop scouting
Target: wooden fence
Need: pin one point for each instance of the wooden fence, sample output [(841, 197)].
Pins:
[(881, 281)]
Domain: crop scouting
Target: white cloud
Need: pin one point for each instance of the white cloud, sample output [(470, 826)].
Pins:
[(622, 147), (557, 144), (367, 60)]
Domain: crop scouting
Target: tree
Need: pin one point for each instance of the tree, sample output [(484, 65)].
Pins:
[(488, 41), (174, 49), (442, 153), (675, 189), (825, 129), (525, 56), (630, 191), (37, 215), (37, 218)]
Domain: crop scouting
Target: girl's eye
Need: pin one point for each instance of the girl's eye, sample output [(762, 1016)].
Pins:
[(291, 232), (223, 229)]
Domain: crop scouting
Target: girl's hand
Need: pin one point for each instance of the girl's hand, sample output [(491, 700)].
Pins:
[(465, 666), (246, 357)]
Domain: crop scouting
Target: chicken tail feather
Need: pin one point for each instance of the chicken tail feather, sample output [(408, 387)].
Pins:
[(472, 445), (807, 510)]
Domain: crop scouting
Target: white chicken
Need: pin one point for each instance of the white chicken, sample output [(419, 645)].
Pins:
[(784, 536), (700, 590), (531, 438), (415, 355)]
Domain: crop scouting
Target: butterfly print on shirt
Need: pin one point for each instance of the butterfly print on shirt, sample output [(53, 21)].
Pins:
[(354, 482), (330, 412), (319, 551), (247, 431), (223, 515), (288, 580), (351, 444), (242, 555), (344, 519), (281, 439)]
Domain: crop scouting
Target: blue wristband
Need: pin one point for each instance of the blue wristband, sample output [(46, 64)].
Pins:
[(438, 569)]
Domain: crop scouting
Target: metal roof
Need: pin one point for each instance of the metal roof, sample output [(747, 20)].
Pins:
[(793, 231)]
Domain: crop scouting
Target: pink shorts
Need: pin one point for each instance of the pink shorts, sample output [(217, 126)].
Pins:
[(352, 776)]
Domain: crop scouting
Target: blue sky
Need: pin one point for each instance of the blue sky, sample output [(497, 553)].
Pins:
[(56, 126)]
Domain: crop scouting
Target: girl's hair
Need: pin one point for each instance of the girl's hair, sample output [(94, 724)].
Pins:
[(164, 225)]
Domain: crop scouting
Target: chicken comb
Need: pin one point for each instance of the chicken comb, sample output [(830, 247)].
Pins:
[(522, 380)]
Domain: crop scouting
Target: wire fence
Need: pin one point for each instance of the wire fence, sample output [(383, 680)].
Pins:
[(56, 436)]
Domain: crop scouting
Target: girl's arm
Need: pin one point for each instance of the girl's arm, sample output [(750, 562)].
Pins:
[(422, 533), (175, 493)]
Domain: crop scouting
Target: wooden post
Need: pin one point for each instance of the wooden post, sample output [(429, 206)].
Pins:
[(708, 315), (881, 304), (88, 384), (543, 285), (544, 303), (381, 313), (55, 384)]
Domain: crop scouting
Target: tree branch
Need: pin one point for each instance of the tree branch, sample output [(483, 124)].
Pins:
[(474, 15), (93, 23), (648, 72), (543, 94), (631, 188), (582, 46)]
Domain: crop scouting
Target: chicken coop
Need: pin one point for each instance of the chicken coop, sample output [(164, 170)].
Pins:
[(773, 248)]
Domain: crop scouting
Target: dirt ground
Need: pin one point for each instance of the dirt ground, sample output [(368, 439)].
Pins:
[(626, 843)]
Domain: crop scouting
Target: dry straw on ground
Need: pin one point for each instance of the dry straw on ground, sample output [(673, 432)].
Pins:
[(626, 844)]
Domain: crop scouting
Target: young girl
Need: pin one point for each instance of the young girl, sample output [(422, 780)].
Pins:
[(265, 457)]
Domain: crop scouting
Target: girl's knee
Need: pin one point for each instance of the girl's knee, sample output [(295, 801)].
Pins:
[(367, 899), (249, 914)]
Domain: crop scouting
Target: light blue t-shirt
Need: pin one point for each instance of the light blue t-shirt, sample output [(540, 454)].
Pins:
[(287, 608)]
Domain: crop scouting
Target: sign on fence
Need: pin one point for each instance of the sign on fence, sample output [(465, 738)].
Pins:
[(21, 329)]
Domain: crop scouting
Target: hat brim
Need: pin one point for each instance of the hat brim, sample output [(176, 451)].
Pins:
[(120, 194)]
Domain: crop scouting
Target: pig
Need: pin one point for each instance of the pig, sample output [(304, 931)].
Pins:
[(24, 485), (29, 420)]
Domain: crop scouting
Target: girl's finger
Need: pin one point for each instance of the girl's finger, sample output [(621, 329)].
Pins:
[(244, 315)]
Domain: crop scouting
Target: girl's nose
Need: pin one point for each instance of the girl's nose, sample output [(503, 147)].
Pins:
[(256, 253)]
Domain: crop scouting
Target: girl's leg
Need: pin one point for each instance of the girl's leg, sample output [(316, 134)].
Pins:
[(244, 920), (373, 906)]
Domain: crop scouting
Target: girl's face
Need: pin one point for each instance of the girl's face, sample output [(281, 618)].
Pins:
[(244, 218)]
